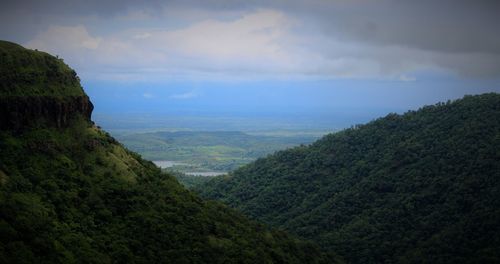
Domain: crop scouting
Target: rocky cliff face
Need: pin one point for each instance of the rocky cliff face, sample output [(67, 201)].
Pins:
[(19, 112), (38, 89)]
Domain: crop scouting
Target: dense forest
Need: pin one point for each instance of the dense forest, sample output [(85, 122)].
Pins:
[(188, 181), (422, 187), (70, 193)]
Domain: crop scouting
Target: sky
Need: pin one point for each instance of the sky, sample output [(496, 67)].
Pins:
[(356, 59)]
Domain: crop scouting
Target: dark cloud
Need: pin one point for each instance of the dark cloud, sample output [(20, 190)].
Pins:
[(461, 35), (70, 7), (440, 25), (443, 26), (20, 20)]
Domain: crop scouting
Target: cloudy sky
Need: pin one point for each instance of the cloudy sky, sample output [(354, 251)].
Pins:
[(275, 56)]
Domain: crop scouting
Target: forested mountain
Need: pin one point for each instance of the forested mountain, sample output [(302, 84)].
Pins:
[(70, 193), (422, 187)]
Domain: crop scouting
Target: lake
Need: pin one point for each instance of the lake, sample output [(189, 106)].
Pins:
[(168, 163), (206, 173)]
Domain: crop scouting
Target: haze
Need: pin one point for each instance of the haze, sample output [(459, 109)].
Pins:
[(327, 64)]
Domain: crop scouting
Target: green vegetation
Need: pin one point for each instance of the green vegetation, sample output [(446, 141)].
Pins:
[(25, 72), (189, 181), (73, 194), (209, 151), (76, 195), (423, 187)]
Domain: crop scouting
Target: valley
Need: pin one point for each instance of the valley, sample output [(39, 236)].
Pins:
[(211, 153), (71, 193), (249, 132)]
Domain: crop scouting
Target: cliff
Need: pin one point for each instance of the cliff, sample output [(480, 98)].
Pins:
[(38, 89), (18, 112)]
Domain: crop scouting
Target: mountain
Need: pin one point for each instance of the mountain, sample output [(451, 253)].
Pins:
[(70, 193), (36, 87), (422, 187)]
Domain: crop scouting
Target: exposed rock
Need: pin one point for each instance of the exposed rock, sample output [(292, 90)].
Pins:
[(18, 112), (38, 89)]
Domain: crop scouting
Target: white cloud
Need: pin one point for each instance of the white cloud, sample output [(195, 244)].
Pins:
[(253, 36), (147, 95), (252, 43), (406, 78), (183, 96), (142, 35), (262, 43), (60, 38)]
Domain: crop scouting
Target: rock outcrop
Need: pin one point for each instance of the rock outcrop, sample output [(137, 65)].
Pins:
[(18, 112), (38, 89)]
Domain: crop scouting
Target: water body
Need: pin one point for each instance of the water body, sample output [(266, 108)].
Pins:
[(206, 173), (168, 163)]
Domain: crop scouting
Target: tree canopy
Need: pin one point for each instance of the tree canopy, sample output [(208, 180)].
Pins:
[(419, 187)]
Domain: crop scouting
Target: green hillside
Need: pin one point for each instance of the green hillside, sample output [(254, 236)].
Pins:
[(423, 187), (70, 193), (25, 72)]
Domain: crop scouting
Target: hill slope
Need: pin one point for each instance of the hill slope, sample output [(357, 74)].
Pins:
[(34, 73), (418, 187), (70, 193)]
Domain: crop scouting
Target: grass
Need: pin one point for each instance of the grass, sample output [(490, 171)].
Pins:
[(24, 72)]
